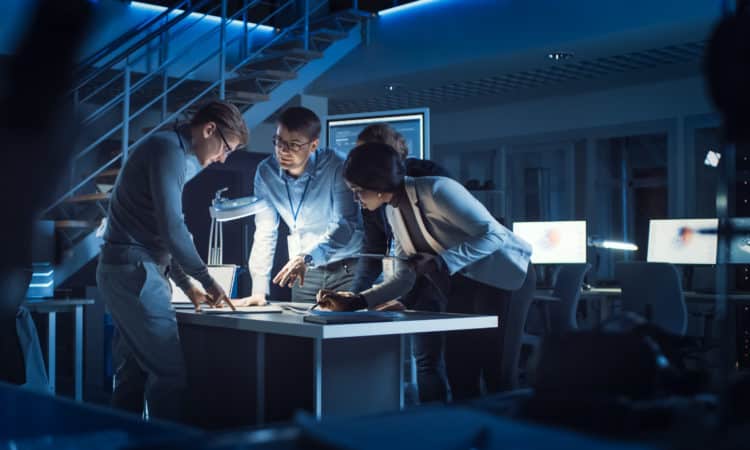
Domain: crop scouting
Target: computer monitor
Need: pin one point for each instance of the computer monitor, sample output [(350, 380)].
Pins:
[(561, 242), (223, 274), (739, 243), (680, 241), (413, 124)]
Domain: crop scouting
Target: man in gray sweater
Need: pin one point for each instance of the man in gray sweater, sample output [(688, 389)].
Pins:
[(147, 240)]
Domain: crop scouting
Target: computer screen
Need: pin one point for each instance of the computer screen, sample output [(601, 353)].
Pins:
[(413, 124), (679, 241), (561, 242), (224, 275), (739, 244)]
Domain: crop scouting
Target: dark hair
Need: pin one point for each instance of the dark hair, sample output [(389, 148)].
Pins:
[(375, 167), (385, 134), (300, 120), (226, 116)]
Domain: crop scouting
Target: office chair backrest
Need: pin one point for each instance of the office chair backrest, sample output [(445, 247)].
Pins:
[(518, 311), (568, 289), (653, 290)]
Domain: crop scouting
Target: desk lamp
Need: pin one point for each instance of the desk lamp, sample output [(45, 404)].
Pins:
[(224, 210)]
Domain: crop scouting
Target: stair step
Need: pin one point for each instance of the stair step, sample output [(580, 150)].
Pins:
[(246, 97), (109, 173), (267, 74), (324, 34), (296, 53), (95, 197), (281, 59), (350, 17), (68, 224)]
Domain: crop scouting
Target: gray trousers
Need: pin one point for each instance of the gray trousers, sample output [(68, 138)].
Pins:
[(146, 355), (337, 276)]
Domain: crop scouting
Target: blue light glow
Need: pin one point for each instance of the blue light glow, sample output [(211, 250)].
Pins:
[(215, 19), (45, 274), (407, 6)]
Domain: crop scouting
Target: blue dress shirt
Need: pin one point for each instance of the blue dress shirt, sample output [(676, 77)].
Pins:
[(317, 207)]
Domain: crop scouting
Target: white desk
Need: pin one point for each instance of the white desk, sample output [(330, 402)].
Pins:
[(51, 308), (352, 369)]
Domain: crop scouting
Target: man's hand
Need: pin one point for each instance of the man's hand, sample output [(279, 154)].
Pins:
[(217, 297), (197, 296), (292, 270), (253, 300), (423, 263), (337, 301)]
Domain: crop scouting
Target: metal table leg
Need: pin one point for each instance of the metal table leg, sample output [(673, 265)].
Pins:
[(401, 371), (260, 374), (79, 354), (318, 378), (51, 349)]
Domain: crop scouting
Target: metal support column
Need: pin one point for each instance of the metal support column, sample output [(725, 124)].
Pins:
[(163, 55), (307, 25), (78, 363), (51, 349), (223, 51), (245, 43)]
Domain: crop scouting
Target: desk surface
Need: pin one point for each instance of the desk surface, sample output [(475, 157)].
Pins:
[(292, 324)]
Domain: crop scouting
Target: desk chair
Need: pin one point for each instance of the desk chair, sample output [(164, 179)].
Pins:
[(518, 312), (568, 290), (558, 312), (654, 291)]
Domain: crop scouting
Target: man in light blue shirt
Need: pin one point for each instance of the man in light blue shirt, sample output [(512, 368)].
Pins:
[(304, 186)]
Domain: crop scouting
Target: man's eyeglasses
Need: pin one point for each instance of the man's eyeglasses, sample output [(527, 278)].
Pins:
[(227, 148), (294, 147)]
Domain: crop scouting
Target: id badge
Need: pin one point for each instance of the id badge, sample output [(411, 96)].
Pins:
[(294, 244)]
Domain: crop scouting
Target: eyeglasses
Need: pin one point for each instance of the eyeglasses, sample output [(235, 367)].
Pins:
[(227, 148), (294, 147)]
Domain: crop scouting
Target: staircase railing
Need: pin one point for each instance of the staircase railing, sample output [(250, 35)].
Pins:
[(91, 66), (125, 60)]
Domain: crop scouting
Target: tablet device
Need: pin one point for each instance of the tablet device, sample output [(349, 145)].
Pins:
[(331, 318)]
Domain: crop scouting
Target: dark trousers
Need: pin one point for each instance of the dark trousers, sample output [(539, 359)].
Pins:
[(476, 354), (146, 354), (429, 348), (336, 276)]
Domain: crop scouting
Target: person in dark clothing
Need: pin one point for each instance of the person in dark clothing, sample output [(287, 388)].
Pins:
[(425, 296), (146, 240)]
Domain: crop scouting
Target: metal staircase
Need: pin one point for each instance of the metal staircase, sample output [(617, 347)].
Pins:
[(162, 69)]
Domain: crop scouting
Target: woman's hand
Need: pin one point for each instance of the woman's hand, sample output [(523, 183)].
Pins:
[(338, 301)]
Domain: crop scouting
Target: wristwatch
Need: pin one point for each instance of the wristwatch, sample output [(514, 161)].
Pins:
[(308, 260)]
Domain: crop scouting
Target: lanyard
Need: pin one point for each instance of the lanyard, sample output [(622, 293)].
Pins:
[(179, 138), (302, 199)]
